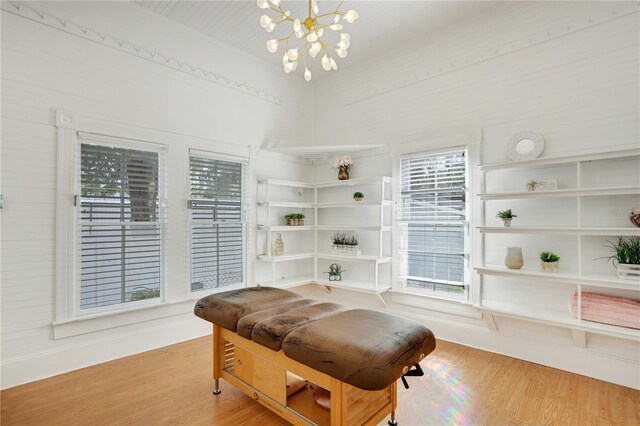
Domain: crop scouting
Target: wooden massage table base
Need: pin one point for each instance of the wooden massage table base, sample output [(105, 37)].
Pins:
[(261, 374)]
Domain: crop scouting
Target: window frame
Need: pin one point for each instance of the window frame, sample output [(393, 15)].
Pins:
[(468, 284), (162, 222), (244, 162)]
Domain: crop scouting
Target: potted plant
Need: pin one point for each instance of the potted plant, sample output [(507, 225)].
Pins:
[(345, 244), (358, 196), (627, 257), (506, 217), (290, 219), (300, 219), (335, 272), (549, 261)]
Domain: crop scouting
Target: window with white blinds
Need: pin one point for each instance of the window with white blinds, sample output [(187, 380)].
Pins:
[(217, 222), (120, 224), (433, 222)]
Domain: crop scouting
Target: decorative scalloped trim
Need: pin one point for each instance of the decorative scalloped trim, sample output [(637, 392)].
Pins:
[(45, 18), (403, 79)]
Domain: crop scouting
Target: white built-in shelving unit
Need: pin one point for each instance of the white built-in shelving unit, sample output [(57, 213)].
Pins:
[(328, 207), (595, 193)]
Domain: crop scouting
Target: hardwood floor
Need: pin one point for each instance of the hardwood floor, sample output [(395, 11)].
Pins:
[(172, 386)]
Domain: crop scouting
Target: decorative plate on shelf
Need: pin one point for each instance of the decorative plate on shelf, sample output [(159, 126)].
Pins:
[(525, 146)]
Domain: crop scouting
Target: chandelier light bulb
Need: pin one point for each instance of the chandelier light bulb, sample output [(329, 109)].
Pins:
[(351, 16), (288, 67), (265, 20), (292, 54), (326, 64), (272, 45), (312, 28)]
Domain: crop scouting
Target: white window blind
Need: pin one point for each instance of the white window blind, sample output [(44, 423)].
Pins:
[(433, 219), (218, 237), (121, 219)]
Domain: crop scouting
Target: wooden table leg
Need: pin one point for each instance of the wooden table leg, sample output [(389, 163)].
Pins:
[(218, 353)]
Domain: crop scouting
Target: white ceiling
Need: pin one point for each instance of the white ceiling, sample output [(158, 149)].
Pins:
[(382, 24)]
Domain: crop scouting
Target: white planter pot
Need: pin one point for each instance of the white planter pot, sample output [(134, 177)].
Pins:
[(628, 271), (549, 267), (345, 250)]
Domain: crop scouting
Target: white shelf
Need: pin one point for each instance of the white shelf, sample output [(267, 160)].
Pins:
[(351, 204), (352, 182), (557, 318), (290, 257), (598, 280), (289, 282), (289, 183), (359, 286), (626, 231), (561, 193), (347, 258), (285, 258), (551, 161), (286, 228), (352, 227), (287, 204)]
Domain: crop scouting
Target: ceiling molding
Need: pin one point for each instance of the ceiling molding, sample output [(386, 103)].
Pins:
[(405, 79), (323, 152), (45, 18)]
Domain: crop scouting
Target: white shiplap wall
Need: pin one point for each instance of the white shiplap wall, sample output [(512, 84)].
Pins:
[(46, 67), (568, 70)]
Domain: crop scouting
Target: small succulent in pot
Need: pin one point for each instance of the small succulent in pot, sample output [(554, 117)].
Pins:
[(290, 218), (549, 261), (506, 216), (358, 196), (299, 219), (626, 257), (335, 272)]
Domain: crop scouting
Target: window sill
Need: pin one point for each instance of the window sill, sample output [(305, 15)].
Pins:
[(120, 318), (435, 303)]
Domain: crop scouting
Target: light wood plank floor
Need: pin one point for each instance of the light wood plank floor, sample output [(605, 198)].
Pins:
[(172, 386)]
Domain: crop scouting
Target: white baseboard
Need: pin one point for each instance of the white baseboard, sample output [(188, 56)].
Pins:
[(38, 366)]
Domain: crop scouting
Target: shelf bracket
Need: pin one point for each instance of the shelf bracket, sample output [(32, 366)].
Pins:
[(384, 302), (490, 321), (579, 338)]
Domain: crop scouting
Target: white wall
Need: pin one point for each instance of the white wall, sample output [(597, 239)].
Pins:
[(47, 65), (568, 70)]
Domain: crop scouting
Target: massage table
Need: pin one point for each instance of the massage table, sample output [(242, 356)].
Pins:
[(283, 350)]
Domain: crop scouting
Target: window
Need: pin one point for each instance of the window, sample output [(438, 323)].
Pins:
[(217, 222), (433, 219), (120, 224)]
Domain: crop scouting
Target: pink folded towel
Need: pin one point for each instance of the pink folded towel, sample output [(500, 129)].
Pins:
[(605, 309)]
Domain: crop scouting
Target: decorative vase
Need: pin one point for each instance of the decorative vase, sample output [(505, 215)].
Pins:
[(507, 222), (549, 267), (335, 277), (278, 246), (634, 216), (514, 260), (343, 172)]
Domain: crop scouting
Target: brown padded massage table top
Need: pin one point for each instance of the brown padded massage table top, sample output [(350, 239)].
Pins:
[(366, 349)]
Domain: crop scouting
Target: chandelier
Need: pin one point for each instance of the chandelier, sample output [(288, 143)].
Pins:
[(308, 34)]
